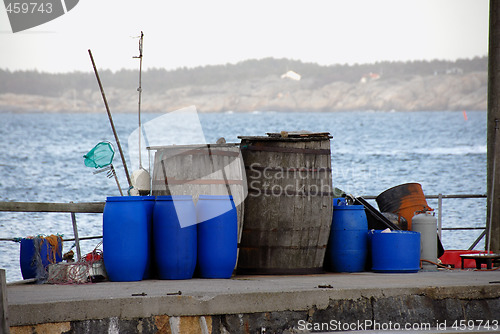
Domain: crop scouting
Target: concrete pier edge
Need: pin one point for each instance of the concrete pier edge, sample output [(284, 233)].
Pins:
[(248, 304)]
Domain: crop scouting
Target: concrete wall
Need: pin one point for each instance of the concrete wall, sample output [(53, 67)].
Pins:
[(429, 309)]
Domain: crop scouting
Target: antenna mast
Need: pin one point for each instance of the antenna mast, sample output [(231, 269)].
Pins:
[(140, 92)]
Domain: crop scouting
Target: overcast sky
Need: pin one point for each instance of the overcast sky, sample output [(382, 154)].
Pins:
[(199, 32)]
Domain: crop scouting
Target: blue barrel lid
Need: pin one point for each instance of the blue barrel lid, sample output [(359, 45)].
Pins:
[(148, 198), (340, 201), (392, 231), (216, 197), (348, 207), (174, 198), (123, 198)]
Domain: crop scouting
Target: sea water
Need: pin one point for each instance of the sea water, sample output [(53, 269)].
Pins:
[(41, 160)]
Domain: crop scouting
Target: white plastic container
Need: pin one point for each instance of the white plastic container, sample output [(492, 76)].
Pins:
[(426, 224)]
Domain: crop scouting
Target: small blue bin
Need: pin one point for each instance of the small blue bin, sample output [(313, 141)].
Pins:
[(395, 251)]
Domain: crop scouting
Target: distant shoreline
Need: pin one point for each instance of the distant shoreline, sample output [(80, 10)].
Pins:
[(264, 85), (418, 93)]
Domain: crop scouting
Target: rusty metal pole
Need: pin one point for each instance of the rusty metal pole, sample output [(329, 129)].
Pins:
[(493, 169)]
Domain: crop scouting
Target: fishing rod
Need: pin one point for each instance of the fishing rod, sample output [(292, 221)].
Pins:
[(111, 120)]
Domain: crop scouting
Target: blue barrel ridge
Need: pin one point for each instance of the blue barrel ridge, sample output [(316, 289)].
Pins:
[(125, 238), (175, 247), (217, 236)]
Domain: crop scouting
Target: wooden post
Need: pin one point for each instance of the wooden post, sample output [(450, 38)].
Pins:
[(493, 217), (4, 319)]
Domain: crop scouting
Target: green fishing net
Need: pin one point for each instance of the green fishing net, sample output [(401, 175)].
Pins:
[(100, 156)]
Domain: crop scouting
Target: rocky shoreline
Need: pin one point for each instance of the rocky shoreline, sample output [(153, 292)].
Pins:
[(414, 93)]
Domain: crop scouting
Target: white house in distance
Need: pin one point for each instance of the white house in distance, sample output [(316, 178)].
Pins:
[(369, 77), (291, 75)]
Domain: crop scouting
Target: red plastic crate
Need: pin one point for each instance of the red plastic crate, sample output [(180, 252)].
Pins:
[(452, 257)]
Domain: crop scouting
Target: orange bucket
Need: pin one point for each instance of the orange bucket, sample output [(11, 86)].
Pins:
[(403, 200)]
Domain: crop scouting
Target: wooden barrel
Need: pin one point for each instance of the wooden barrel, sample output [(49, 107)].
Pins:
[(288, 210), (205, 169)]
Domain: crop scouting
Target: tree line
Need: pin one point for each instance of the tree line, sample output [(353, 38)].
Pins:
[(160, 80)]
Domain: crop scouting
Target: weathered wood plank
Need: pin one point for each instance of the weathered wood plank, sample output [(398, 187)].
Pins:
[(91, 207), (493, 131), (4, 319)]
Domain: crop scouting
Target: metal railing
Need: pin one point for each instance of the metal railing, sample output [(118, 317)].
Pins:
[(440, 197), (98, 207), (72, 208)]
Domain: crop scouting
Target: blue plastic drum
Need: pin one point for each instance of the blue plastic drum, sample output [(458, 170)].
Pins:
[(174, 245), (27, 259), (348, 243), (125, 238), (28, 266), (395, 252), (217, 236)]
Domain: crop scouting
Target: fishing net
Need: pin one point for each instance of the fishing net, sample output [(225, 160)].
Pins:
[(69, 273), (46, 250), (89, 269), (100, 156)]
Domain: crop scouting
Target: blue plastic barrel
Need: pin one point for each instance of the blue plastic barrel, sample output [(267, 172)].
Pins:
[(125, 238), (27, 258), (217, 236), (175, 246), (149, 202), (395, 252), (348, 243), (27, 253)]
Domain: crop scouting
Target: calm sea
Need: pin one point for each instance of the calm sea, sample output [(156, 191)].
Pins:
[(41, 160)]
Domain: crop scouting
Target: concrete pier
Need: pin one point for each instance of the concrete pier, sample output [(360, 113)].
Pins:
[(262, 304)]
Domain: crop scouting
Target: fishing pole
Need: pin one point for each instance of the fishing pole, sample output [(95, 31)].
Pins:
[(111, 120)]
